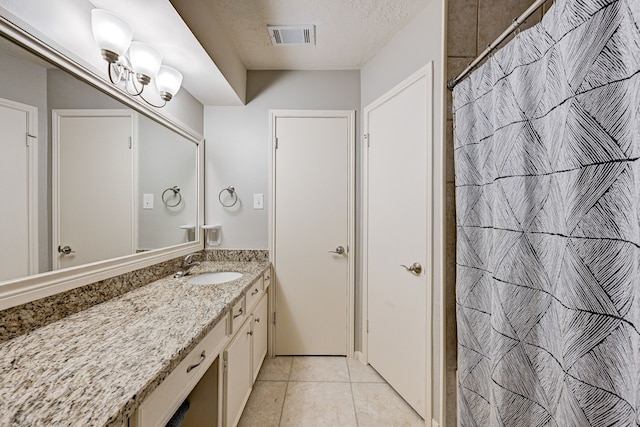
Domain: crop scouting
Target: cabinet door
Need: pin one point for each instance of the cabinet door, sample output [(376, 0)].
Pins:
[(237, 375), (260, 323)]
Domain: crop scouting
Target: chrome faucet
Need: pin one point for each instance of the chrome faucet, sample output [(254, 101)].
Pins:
[(187, 263)]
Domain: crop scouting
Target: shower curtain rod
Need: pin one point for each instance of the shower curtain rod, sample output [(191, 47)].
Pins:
[(514, 26)]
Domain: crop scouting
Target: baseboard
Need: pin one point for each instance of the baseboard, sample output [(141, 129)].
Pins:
[(358, 356)]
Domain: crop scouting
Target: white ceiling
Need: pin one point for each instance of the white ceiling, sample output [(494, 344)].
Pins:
[(348, 32)]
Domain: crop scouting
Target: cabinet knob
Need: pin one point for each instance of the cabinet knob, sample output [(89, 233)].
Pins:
[(257, 319), (255, 291), (250, 333)]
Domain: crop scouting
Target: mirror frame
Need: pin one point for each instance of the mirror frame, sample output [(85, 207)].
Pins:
[(29, 288)]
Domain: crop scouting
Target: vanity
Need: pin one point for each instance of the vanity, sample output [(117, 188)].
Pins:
[(133, 360), (94, 335)]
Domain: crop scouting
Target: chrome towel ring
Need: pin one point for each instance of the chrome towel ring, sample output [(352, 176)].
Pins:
[(232, 192), (176, 194)]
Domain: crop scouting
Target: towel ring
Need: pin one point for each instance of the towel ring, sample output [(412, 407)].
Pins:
[(176, 193), (232, 192)]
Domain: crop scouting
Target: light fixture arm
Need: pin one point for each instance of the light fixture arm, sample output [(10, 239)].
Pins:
[(150, 103)]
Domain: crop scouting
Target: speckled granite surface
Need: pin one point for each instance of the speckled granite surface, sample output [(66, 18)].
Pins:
[(27, 317), (248, 255), (94, 368)]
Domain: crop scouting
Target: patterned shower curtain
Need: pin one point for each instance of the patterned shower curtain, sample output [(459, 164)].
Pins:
[(547, 148)]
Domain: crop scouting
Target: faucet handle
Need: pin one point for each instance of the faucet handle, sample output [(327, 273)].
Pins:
[(189, 258)]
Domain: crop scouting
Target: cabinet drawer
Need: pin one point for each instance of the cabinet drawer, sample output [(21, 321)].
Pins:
[(254, 293), (238, 314), (158, 408), (267, 278)]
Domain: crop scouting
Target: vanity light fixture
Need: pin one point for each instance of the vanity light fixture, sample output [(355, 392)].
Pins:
[(114, 37)]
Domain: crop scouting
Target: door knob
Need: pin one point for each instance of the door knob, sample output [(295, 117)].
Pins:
[(339, 250), (415, 268), (65, 250)]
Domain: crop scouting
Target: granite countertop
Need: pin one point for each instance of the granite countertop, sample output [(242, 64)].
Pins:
[(95, 367)]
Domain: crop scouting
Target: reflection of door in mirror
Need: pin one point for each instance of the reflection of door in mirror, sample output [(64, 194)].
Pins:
[(164, 156), (93, 161), (18, 210)]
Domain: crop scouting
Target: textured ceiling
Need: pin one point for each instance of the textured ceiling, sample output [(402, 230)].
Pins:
[(348, 32)]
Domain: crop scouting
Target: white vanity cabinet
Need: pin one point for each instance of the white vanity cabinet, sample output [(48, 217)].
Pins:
[(243, 357), (218, 375), (184, 381), (237, 375), (259, 326)]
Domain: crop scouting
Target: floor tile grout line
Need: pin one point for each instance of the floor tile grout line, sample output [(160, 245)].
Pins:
[(284, 398), (286, 389), (353, 398)]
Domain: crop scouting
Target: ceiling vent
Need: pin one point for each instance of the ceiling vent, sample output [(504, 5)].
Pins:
[(292, 35)]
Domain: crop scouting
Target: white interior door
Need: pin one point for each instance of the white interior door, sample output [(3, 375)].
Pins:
[(93, 194), (313, 216), (398, 128), (18, 210)]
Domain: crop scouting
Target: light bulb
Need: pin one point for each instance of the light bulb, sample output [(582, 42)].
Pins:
[(112, 34), (145, 61), (168, 82)]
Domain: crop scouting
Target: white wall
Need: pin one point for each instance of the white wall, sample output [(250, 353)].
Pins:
[(165, 159), (418, 43), (237, 141)]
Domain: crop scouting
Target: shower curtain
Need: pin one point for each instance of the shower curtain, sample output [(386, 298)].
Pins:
[(547, 148)]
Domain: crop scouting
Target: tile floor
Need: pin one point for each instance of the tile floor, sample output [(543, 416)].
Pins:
[(324, 391)]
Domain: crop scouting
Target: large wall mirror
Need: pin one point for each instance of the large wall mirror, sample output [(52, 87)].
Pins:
[(85, 178)]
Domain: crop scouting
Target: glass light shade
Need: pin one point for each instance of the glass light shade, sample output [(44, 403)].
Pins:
[(168, 81), (110, 31), (145, 60)]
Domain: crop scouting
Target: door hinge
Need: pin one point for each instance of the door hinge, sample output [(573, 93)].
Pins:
[(130, 143), (276, 143), (274, 317), (366, 138), (367, 325), (27, 138)]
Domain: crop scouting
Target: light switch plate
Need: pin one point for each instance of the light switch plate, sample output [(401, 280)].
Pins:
[(147, 201), (258, 201)]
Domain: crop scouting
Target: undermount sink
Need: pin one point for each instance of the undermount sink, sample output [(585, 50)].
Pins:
[(214, 278)]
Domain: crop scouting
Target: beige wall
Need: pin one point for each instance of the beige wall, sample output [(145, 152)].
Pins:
[(471, 26)]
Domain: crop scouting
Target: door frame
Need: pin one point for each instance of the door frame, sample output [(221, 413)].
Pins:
[(56, 115), (31, 141), (350, 116), (424, 72)]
